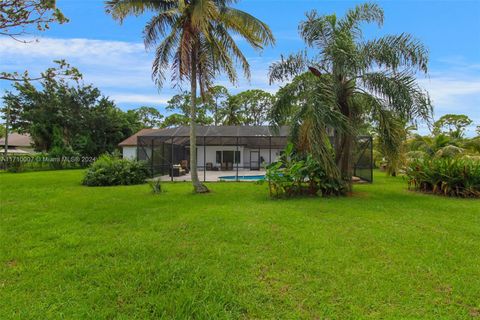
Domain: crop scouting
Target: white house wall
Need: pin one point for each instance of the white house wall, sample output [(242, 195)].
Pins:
[(211, 154), (129, 153)]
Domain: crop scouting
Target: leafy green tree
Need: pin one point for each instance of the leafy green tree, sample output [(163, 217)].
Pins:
[(193, 41), (149, 117), (60, 116), (175, 120), (180, 104), (255, 106), (357, 79), (452, 124), (216, 101)]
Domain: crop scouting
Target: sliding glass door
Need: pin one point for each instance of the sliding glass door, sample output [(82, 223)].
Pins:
[(227, 159)]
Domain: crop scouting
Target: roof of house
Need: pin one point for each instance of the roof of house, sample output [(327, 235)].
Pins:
[(209, 131), (132, 140), (18, 140)]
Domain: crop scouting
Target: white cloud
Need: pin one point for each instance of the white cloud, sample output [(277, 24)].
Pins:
[(446, 90), (72, 48), (455, 93), (149, 99), (121, 70)]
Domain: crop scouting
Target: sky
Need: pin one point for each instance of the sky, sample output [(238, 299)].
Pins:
[(112, 56)]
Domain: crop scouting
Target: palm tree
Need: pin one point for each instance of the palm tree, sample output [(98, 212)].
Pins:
[(193, 41), (356, 80), (231, 114)]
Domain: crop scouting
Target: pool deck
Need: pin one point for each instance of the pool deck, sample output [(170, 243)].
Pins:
[(213, 176)]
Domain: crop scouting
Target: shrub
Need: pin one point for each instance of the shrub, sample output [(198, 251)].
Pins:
[(454, 176), (112, 171), (296, 176), (156, 186)]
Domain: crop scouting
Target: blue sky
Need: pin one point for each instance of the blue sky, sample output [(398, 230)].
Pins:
[(113, 58)]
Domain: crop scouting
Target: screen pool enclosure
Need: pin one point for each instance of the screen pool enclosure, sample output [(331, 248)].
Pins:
[(234, 150)]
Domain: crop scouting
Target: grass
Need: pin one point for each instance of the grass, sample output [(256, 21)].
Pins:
[(68, 251)]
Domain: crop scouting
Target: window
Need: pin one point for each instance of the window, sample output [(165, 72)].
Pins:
[(228, 156)]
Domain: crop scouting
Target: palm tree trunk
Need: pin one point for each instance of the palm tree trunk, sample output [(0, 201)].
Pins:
[(344, 146), (5, 147), (344, 160), (198, 187)]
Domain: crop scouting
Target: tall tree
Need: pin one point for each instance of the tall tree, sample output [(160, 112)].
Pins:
[(452, 124), (356, 78), (193, 41), (180, 105), (255, 106), (217, 98), (150, 117)]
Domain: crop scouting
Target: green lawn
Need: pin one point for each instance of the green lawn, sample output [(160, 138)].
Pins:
[(69, 251)]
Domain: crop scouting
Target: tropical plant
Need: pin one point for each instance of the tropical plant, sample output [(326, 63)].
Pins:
[(156, 185), (193, 37), (357, 80), (110, 170), (295, 175), (232, 114), (429, 144), (449, 176)]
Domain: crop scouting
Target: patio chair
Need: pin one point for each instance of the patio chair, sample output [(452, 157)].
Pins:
[(184, 165)]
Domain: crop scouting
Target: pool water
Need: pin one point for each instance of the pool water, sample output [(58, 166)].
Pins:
[(242, 178)]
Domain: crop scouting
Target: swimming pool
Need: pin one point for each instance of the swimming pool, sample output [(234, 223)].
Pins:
[(242, 178)]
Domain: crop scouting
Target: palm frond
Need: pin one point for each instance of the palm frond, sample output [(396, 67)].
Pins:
[(288, 68), (318, 30), (120, 9), (163, 54), (395, 51), (228, 49), (400, 92), (366, 12), (158, 26), (254, 31)]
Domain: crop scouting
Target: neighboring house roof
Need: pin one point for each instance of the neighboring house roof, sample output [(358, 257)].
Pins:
[(14, 151), (209, 131), (18, 140), (132, 140)]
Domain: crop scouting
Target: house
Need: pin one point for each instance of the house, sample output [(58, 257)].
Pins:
[(219, 148), (129, 145), (17, 144), (240, 149)]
